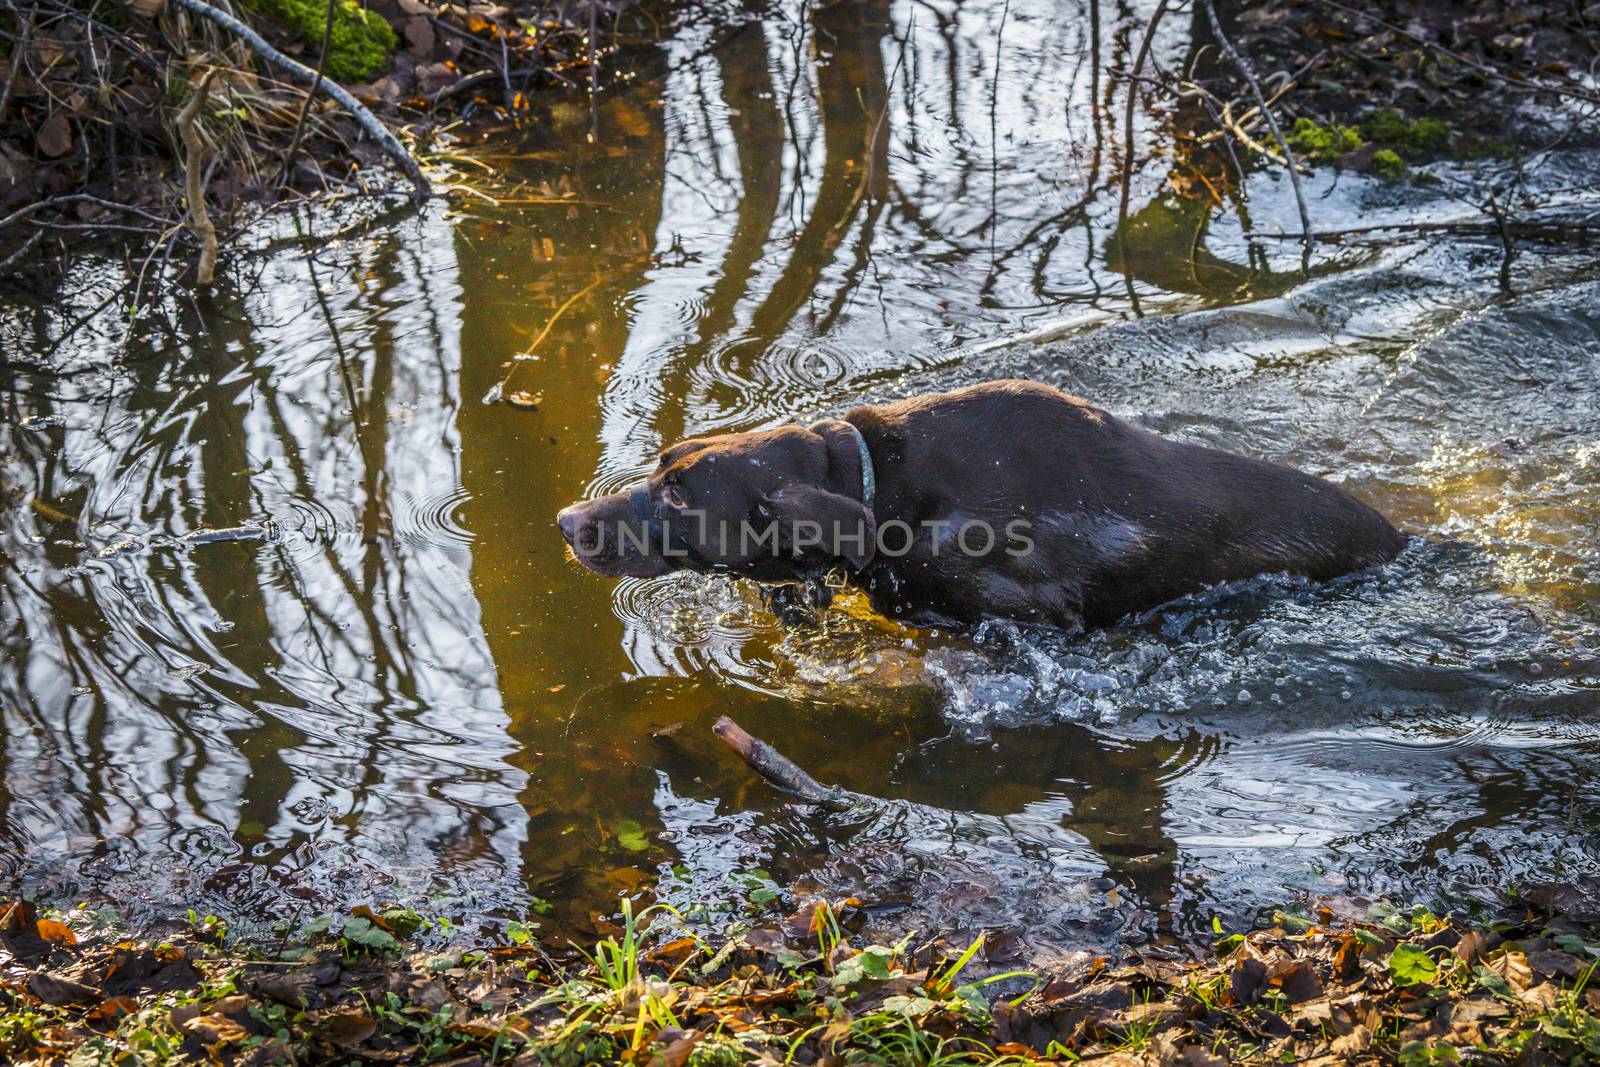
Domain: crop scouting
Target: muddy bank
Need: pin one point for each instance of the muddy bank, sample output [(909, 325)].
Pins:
[(1316, 985)]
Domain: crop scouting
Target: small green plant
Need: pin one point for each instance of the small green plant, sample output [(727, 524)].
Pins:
[(617, 962), (1409, 965), (208, 927), (941, 982), (361, 933), (1135, 1034)]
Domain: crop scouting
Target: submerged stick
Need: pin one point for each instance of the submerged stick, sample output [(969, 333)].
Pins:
[(783, 773), (303, 74)]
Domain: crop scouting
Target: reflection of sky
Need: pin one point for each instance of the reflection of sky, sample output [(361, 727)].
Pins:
[(343, 698)]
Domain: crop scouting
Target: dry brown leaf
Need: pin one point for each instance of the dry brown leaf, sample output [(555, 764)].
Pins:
[(1541, 998), (61, 991), (1247, 981), (347, 1027), (111, 1007), (1513, 967), (214, 1030), (1553, 964), (57, 933), (54, 138), (1353, 1042)]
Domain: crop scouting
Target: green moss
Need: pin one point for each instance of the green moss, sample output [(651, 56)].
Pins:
[(1430, 135), (360, 45), (1323, 143), (1386, 163), (1385, 127), (1424, 137)]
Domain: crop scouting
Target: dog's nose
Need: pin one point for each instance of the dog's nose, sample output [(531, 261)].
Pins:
[(568, 520)]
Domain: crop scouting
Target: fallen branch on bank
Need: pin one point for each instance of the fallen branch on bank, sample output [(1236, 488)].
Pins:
[(784, 774), (310, 78)]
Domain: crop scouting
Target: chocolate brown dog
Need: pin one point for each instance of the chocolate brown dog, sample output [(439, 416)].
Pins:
[(1007, 499)]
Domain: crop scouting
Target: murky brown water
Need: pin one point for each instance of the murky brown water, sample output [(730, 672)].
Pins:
[(403, 691)]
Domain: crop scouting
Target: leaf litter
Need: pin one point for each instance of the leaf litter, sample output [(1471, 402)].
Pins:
[(1342, 982)]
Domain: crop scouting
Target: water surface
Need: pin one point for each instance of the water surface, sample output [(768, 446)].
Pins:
[(395, 686)]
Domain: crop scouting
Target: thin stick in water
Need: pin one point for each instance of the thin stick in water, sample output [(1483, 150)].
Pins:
[(1249, 75)]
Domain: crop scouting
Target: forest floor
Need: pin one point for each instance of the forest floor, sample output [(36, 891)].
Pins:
[(1340, 982)]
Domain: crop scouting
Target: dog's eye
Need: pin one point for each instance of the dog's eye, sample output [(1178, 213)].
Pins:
[(672, 496)]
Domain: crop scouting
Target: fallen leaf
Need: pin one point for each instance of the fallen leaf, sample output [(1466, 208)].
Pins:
[(61, 991), (1549, 963), (1355, 1041), (1513, 967), (58, 933), (680, 1046), (111, 1007), (1347, 960), (54, 138), (292, 988), (1475, 944), (214, 1030), (1300, 981), (346, 1028), (525, 400), (1247, 981), (1541, 998)]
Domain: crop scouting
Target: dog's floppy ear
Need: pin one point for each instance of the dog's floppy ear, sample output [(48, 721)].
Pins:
[(844, 527)]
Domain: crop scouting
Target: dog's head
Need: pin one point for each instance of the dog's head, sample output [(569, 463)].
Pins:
[(769, 505)]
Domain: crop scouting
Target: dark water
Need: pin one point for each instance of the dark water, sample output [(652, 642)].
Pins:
[(395, 687)]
